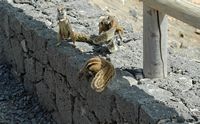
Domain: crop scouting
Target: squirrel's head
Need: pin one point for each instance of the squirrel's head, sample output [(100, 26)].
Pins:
[(61, 12), (107, 21)]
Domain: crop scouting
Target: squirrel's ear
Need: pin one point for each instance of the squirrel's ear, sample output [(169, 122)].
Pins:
[(60, 7), (101, 18)]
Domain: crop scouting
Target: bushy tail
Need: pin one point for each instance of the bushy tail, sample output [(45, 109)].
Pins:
[(101, 71), (103, 77), (105, 37), (92, 65), (81, 37)]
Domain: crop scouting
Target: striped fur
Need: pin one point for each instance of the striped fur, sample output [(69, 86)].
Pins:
[(102, 72)]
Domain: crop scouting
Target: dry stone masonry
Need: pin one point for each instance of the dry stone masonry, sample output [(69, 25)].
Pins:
[(18, 106), (50, 72)]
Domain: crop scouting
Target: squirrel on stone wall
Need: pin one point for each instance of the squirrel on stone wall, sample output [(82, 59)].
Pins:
[(99, 71), (108, 27), (108, 22), (65, 28)]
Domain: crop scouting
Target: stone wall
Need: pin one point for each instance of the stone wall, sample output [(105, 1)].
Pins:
[(51, 73)]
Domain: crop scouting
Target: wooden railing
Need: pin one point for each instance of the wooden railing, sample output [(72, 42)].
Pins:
[(155, 31)]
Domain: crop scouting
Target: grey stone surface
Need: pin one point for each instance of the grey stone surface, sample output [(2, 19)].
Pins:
[(4, 25), (18, 106), (51, 72), (23, 45), (45, 96), (50, 79), (17, 54), (39, 72), (64, 101)]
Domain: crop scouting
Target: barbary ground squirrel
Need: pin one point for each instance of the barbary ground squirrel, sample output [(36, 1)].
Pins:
[(99, 71), (108, 22), (65, 28), (108, 27)]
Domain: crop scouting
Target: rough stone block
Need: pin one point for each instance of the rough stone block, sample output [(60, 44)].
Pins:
[(64, 101), (48, 34), (2, 15), (39, 71), (127, 111), (30, 69), (50, 78), (158, 93), (81, 111), (28, 37), (152, 113), (2, 53), (14, 24), (57, 118), (2, 56), (40, 41), (28, 85), (40, 44), (18, 55), (101, 106), (127, 99), (45, 97), (4, 21), (8, 51), (57, 60), (29, 65)]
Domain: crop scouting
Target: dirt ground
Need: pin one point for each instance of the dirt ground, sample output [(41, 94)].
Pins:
[(183, 35)]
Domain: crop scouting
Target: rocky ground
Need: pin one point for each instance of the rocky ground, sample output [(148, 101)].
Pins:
[(16, 105), (182, 85)]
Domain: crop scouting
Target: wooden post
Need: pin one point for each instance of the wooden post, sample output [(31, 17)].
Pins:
[(180, 9), (155, 26)]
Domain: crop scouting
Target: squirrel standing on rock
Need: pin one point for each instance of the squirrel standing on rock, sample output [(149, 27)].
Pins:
[(100, 70), (97, 69), (65, 28), (108, 28), (109, 22)]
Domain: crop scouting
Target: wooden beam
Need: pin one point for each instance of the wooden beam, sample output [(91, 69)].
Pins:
[(179, 9), (155, 35)]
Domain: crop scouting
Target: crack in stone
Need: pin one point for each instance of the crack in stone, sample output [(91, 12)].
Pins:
[(96, 118), (72, 99), (139, 109)]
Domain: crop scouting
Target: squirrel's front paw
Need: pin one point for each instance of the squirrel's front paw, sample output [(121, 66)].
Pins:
[(112, 48), (74, 45)]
